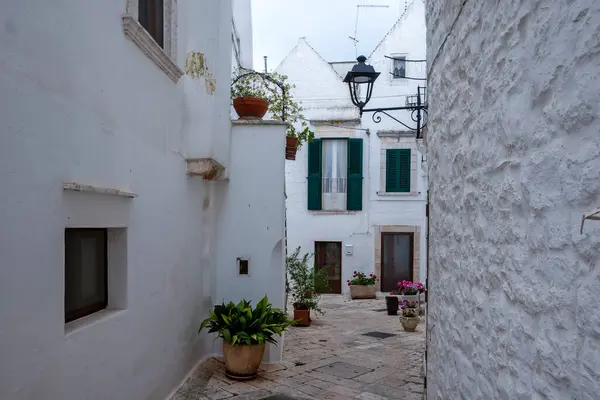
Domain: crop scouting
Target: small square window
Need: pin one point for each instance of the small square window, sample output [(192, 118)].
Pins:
[(86, 272), (399, 67), (243, 266)]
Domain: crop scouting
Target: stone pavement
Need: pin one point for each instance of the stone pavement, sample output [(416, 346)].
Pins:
[(331, 359)]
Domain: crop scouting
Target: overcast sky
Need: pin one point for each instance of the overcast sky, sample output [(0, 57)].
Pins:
[(326, 24)]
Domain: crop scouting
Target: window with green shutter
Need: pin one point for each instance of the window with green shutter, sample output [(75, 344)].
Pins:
[(314, 189), (355, 175), (397, 170)]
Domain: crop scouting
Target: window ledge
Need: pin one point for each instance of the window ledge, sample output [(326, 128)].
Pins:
[(325, 212), (138, 35), (208, 168), (399, 194), (79, 187), (82, 323)]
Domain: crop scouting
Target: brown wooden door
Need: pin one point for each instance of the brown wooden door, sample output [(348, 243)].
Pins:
[(396, 259), (328, 255)]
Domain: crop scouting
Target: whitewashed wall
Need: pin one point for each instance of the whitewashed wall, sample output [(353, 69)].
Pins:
[(251, 219), (514, 154), (320, 89), (94, 108), (325, 97)]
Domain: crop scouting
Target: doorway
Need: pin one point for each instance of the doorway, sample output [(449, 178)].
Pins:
[(328, 255), (396, 259)]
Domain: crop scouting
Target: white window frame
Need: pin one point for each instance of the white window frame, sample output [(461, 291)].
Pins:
[(164, 58)]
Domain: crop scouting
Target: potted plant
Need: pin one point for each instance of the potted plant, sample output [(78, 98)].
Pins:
[(362, 286), (254, 93), (410, 315), (249, 94), (284, 107), (308, 282), (392, 303), (245, 331), (410, 290)]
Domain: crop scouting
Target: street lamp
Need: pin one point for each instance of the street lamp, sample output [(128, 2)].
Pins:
[(363, 74)]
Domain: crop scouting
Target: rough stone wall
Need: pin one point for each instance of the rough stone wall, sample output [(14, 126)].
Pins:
[(514, 153)]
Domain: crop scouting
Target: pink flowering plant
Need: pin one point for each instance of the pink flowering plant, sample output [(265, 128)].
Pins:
[(360, 278), (410, 309), (409, 288)]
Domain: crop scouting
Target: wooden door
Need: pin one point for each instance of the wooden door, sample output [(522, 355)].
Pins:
[(396, 259), (328, 255)]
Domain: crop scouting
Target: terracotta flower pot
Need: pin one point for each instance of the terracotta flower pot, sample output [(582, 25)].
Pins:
[(242, 361), (409, 323), (391, 303), (250, 107), (302, 317), (363, 291), (291, 146)]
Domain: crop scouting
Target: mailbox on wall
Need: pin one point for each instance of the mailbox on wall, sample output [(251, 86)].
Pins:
[(349, 249)]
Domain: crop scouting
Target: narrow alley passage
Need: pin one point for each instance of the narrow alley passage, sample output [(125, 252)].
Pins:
[(331, 359)]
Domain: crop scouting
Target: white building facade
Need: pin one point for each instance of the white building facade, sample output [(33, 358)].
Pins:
[(357, 195), (514, 154), (121, 176)]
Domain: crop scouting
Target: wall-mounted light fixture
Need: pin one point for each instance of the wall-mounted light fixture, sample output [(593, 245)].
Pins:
[(360, 82)]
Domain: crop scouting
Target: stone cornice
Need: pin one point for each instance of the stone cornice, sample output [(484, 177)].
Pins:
[(138, 35)]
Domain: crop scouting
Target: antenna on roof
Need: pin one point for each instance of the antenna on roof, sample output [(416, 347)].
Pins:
[(354, 38)]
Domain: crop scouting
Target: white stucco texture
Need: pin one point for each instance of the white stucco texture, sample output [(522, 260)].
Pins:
[(251, 225), (514, 154), (81, 102)]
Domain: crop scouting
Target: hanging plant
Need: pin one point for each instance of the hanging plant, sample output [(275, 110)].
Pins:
[(276, 91)]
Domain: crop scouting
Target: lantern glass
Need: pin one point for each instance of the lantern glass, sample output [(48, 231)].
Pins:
[(361, 74)]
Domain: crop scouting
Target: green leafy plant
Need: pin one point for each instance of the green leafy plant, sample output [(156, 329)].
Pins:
[(281, 103), (359, 278), (241, 324), (410, 309), (308, 282)]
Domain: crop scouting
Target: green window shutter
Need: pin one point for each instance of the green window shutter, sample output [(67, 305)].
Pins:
[(397, 170), (314, 175), (355, 176)]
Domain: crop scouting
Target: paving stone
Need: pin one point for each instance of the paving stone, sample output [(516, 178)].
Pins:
[(370, 396), (334, 396), (257, 395), (293, 393), (240, 388), (392, 392), (344, 370), (261, 383), (311, 390), (380, 374), (363, 367), (318, 383), (343, 390), (279, 397), (216, 394)]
